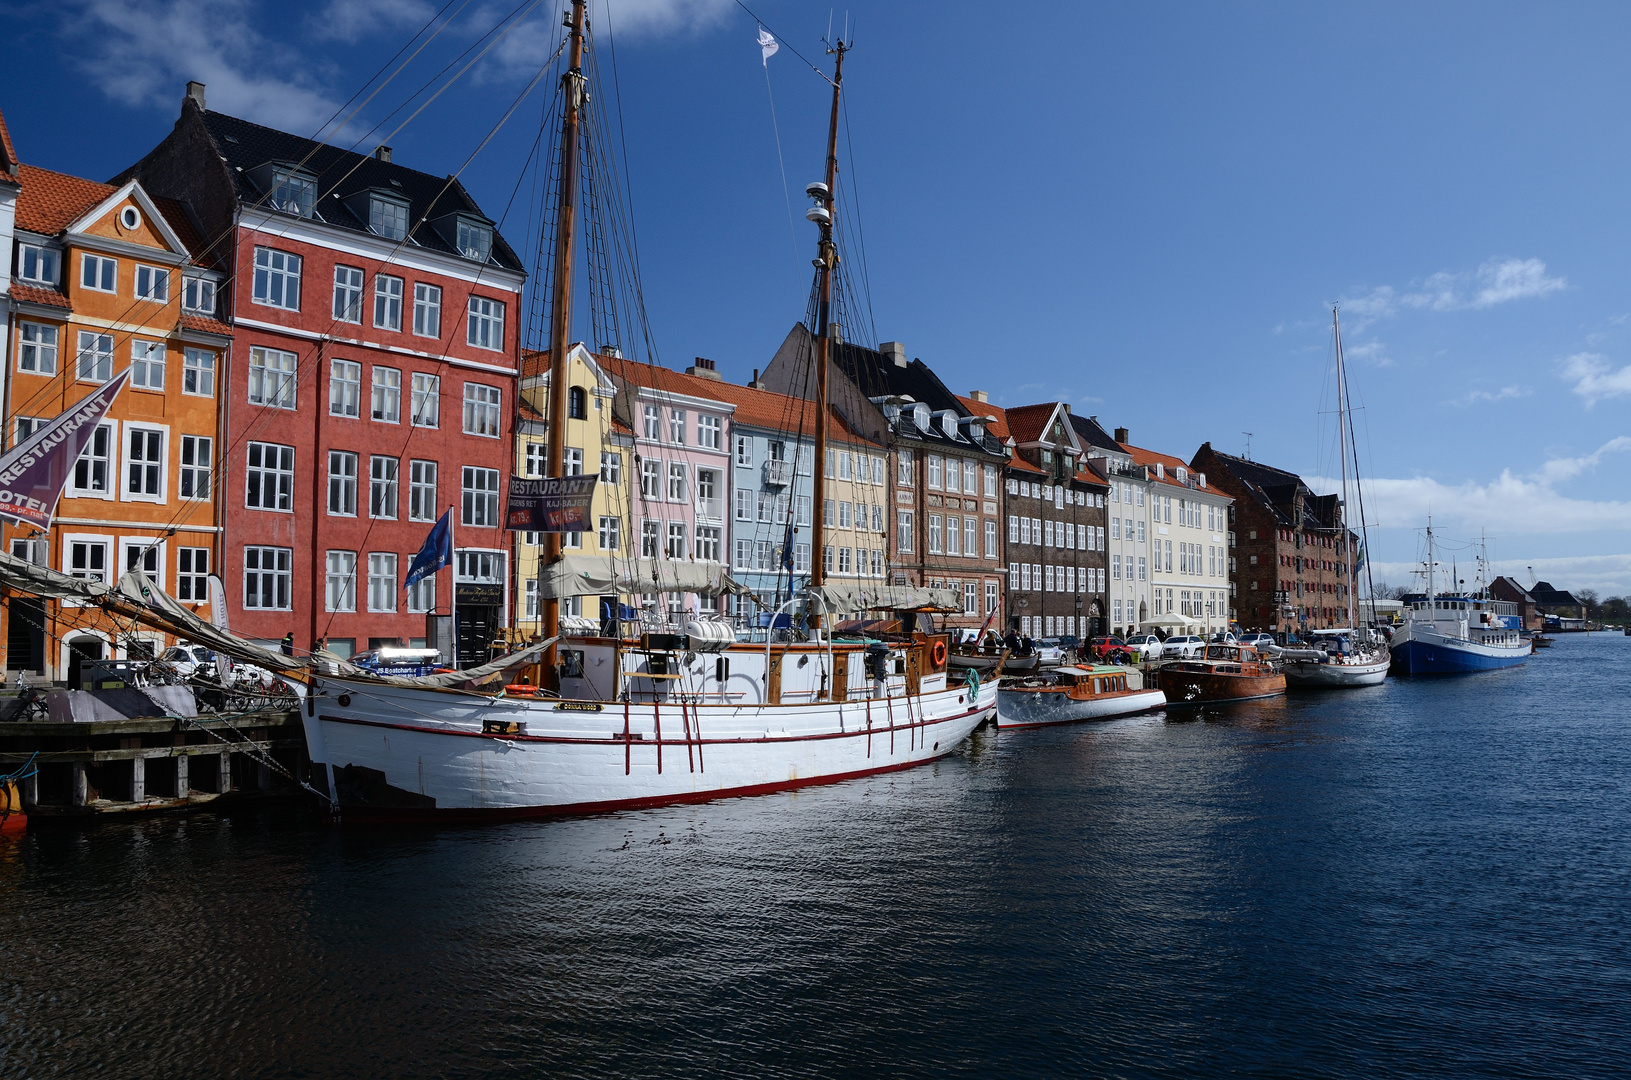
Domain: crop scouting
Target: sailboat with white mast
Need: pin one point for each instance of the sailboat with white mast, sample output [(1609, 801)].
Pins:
[(676, 716), (1353, 655)]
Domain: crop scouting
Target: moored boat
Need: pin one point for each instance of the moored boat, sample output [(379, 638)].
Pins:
[(1221, 673), (1457, 634), (1339, 658), (1069, 694)]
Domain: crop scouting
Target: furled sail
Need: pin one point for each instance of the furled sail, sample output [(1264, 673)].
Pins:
[(135, 588), (868, 596), (603, 575)]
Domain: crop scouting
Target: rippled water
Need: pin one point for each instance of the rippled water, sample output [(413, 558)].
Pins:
[(1427, 878)]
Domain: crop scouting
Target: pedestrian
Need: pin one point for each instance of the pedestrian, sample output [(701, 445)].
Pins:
[(288, 644)]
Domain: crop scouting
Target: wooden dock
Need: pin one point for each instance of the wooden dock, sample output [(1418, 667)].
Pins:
[(151, 764)]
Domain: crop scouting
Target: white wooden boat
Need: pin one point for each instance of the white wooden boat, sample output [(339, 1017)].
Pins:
[(1070, 694), (1339, 658)]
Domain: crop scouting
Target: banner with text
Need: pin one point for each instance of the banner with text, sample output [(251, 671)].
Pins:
[(33, 474), (550, 504)]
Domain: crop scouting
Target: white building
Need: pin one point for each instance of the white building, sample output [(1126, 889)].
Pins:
[(1188, 527)]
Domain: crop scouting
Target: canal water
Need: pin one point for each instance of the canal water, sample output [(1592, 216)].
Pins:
[(1429, 878)]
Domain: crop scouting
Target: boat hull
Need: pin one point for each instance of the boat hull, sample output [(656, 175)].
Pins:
[(393, 753), (1445, 656), (1039, 707), (1306, 673), (1192, 688)]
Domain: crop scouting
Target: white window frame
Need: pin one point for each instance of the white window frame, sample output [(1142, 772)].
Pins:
[(426, 400), (342, 483), (151, 283), (340, 581), (110, 465), (198, 373), (158, 470), (93, 359), (388, 291), (282, 270), (195, 479), (37, 355), (98, 273), (483, 410), (147, 364), (281, 472), (348, 284), (280, 572), (41, 257), (385, 395), (382, 581), (273, 386), (384, 487), (485, 323), (478, 503), (192, 574), (422, 505), (198, 294), (427, 310)]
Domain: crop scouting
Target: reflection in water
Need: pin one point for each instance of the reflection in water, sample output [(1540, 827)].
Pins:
[(1423, 877)]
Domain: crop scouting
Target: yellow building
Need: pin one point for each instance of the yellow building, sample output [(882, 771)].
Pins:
[(109, 278), (595, 441)]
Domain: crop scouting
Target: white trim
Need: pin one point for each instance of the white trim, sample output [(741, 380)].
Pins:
[(367, 246), (164, 454), (310, 335), (666, 397), (131, 190), (115, 458), (110, 523), (109, 245), (66, 556)]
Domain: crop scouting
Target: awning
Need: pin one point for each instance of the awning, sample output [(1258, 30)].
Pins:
[(605, 575), (1172, 619), (866, 596)]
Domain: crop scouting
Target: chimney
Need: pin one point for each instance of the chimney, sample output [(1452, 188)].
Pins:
[(704, 369), (895, 350), (195, 90), (979, 395), (612, 351), (1121, 435), (755, 383), (382, 153)]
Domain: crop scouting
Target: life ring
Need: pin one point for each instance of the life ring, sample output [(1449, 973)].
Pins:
[(520, 690), (938, 654)]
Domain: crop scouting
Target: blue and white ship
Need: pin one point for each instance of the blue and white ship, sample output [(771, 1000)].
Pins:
[(1457, 633)]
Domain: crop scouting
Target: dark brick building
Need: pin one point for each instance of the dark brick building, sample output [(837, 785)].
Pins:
[(1290, 550)]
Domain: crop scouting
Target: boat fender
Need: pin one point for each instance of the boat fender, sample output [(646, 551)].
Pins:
[(938, 654)]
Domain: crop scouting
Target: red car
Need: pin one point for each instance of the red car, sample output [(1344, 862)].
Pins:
[(1110, 650)]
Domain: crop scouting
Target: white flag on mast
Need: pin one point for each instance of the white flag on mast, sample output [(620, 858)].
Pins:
[(767, 46)]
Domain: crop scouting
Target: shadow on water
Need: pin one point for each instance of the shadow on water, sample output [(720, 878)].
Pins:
[(1422, 878)]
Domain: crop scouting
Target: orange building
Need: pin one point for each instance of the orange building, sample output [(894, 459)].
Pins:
[(106, 278)]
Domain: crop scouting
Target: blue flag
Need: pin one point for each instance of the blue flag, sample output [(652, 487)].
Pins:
[(435, 553)]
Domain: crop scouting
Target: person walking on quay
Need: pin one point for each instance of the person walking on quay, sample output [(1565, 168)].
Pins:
[(288, 644)]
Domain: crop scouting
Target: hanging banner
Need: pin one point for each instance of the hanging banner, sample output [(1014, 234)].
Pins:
[(550, 504), (33, 474)]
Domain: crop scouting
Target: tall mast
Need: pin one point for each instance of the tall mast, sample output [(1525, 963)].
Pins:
[(1342, 451), (560, 305), (826, 262)]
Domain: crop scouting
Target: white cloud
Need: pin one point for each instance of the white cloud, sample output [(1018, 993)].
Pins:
[(1610, 575), (521, 52), (350, 20), (1594, 377), (1505, 393), (142, 52), (1496, 281), (1512, 504), (1373, 353), (1513, 279)]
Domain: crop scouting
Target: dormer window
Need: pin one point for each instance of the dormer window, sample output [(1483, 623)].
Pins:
[(38, 264), (387, 217), (293, 192), (198, 295), (474, 240), (920, 417)]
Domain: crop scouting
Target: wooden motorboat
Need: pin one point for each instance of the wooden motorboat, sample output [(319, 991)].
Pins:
[(1221, 673), (1021, 665), (1068, 694), (986, 662)]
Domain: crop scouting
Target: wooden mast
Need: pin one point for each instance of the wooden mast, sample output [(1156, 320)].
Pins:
[(826, 262), (560, 305)]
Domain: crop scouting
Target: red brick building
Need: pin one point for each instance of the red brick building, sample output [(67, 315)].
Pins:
[(370, 386)]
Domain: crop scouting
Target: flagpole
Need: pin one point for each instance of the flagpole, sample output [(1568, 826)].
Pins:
[(453, 586)]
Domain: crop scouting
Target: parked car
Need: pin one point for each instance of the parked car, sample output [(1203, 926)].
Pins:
[(1223, 637), (1182, 647), (1100, 647), (187, 659), (1050, 651), (1257, 641), (1144, 647)]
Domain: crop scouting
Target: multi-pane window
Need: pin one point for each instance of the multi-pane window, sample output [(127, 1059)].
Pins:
[(611, 533), (676, 426), (990, 484), (348, 294), (481, 410), (537, 456), (844, 563), (744, 504), (427, 310), (971, 598), (293, 193), (198, 373), (340, 581), (88, 559), (422, 491), (277, 279), (198, 294), (903, 530), (572, 461), (98, 273), (676, 481), (611, 467), (485, 329), (381, 581), (342, 483), (271, 378), (969, 542), (676, 540), (193, 574), (387, 302), (422, 594), (386, 399), (935, 466), (197, 452), (147, 365), (935, 545), (41, 264), (344, 388), (903, 468), (480, 497), (709, 432), (388, 217), (744, 452), (269, 476), (144, 462), (473, 239), (37, 348), (653, 422), (152, 283), (954, 537), (651, 479), (91, 471), (95, 356), (382, 484), (648, 539), (268, 577), (426, 400), (708, 543)]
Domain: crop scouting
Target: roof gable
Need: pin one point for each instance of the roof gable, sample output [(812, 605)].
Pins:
[(153, 230)]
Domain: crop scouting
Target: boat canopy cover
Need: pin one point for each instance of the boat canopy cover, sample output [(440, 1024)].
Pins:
[(605, 575), (135, 588), (528, 655), (866, 596)]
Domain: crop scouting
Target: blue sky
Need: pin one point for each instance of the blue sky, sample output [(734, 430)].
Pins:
[(1144, 210)]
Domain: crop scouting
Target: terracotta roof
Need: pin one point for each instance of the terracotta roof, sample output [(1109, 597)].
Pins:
[(51, 201), (205, 324), (528, 412), (1168, 463), (35, 294), (620, 427), (997, 427), (8, 152), (1026, 421)]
